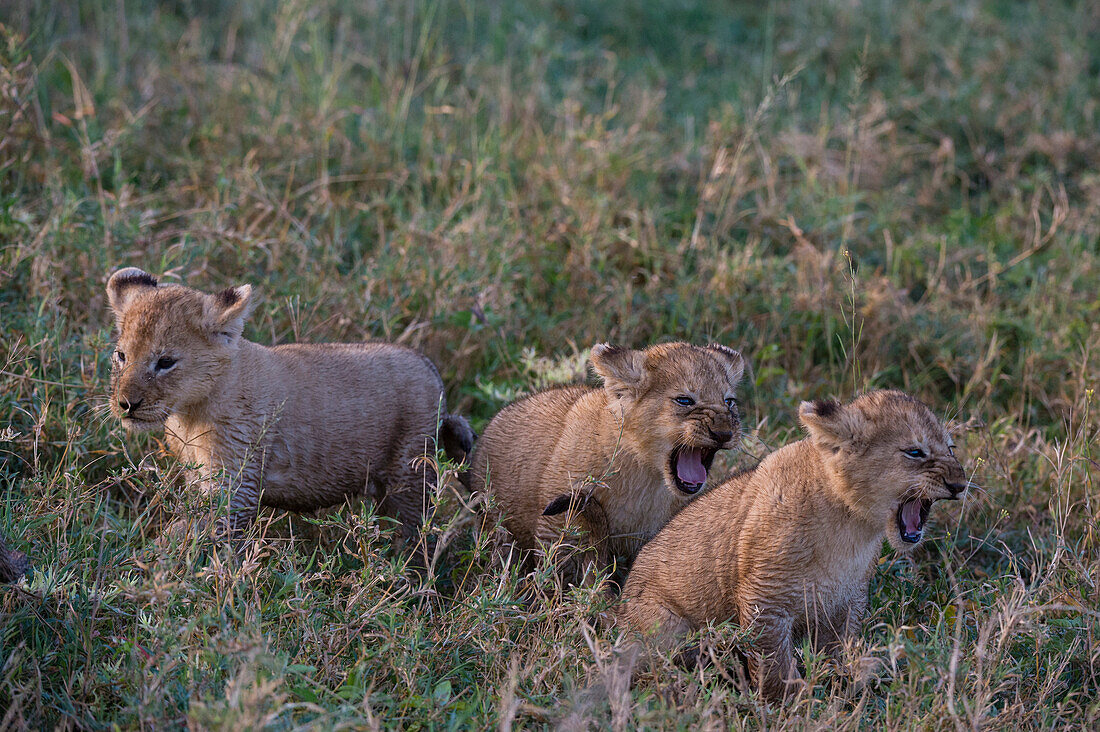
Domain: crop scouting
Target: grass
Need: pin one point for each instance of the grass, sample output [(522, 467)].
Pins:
[(855, 194)]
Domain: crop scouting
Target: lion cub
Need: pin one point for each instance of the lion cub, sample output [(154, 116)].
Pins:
[(297, 427), (615, 463), (789, 547)]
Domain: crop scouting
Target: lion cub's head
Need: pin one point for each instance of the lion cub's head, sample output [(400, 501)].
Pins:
[(893, 458), (173, 345), (678, 403)]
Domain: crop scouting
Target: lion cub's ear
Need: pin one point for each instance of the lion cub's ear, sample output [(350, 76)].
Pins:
[(733, 361), (226, 312), (621, 369), (126, 283), (831, 424)]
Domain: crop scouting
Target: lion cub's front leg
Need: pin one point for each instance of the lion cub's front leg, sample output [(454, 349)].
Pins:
[(773, 667), (244, 504), (573, 531), (240, 496), (576, 545), (406, 504), (404, 491), (836, 641)]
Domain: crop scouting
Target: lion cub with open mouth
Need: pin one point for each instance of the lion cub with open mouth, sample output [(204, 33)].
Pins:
[(615, 463), (298, 426), (789, 547)]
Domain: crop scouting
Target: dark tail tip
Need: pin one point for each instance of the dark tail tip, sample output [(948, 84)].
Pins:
[(576, 502), (457, 437), (561, 504)]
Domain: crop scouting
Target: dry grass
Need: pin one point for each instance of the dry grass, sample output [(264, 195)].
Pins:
[(856, 194)]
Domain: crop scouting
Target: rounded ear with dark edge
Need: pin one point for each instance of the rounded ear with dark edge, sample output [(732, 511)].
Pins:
[(621, 369), (831, 424), (124, 284), (226, 312), (733, 361)]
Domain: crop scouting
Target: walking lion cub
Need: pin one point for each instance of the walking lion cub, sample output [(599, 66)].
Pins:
[(789, 547), (614, 463), (298, 427)]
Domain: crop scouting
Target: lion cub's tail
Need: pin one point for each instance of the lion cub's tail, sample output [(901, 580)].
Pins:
[(457, 437)]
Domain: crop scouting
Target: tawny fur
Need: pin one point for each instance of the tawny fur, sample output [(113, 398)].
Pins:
[(609, 449), (788, 549), (298, 427), (13, 564)]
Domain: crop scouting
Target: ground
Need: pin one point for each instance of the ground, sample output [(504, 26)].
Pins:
[(856, 194)]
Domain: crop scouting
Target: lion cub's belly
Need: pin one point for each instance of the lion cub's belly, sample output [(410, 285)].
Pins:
[(282, 490), (293, 475), (297, 480)]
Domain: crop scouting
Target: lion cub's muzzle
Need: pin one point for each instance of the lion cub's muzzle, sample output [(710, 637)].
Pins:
[(127, 408), (913, 513), (137, 414)]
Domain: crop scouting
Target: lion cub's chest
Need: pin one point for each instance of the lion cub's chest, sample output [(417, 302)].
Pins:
[(638, 505), (237, 448), (836, 583)]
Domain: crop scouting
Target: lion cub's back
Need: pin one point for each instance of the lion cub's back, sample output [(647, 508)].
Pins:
[(513, 452), (354, 402), (376, 377)]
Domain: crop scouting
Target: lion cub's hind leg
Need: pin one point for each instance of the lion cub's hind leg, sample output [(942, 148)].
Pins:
[(838, 641), (406, 487)]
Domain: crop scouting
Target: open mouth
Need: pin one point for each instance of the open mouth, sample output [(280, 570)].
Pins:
[(690, 467), (911, 517)]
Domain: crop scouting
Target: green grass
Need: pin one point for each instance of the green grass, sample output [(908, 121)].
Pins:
[(855, 194)]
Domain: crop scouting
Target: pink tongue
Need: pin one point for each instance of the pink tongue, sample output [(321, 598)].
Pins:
[(689, 466), (910, 516)]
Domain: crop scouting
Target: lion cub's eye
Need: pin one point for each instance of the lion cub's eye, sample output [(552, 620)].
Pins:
[(165, 363), (731, 402), (120, 356), (914, 452), (684, 401)]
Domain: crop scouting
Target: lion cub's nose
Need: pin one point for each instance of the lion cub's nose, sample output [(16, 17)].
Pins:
[(721, 437), (955, 488), (128, 406)]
